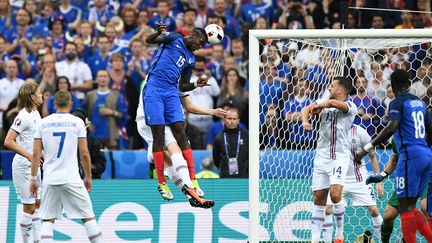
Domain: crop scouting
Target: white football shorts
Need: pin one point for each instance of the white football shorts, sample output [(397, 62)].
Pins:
[(328, 172), (21, 180)]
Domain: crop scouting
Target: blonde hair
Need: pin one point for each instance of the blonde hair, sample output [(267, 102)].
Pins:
[(25, 100), (62, 98)]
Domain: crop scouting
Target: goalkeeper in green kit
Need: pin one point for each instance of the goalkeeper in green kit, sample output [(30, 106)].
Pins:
[(391, 211)]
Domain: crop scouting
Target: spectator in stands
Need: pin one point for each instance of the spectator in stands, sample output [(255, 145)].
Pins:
[(366, 106), (101, 12), (107, 111), (42, 26), (423, 20), (189, 18), (378, 22), (232, 26), (101, 57), (62, 83), (215, 65), (20, 36), (297, 137), (129, 16), (56, 39), (207, 169), (139, 62), (71, 14), (84, 52), (117, 74), (231, 148), (241, 57), (271, 89), (47, 76), (377, 85), (251, 11), (204, 96), (203, 10), (295, 16), (232, 92), (6, 16), (407, 18), (85, 31), (4, 57), (95, 147), (163, 11), (422, 80), (269, 130), (78, 72), (9, 85)]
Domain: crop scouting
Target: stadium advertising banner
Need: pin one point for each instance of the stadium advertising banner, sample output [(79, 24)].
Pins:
[(133, 211)]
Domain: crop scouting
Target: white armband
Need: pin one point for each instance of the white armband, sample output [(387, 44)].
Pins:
[(368, 147), (34, 178)]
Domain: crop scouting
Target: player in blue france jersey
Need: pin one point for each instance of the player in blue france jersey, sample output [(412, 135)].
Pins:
[(411, 125), (171, 69)]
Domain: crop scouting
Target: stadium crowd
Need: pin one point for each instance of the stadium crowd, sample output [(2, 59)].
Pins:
[(66, 44)]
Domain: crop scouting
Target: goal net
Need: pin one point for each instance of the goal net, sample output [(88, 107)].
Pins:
[(290, 69)]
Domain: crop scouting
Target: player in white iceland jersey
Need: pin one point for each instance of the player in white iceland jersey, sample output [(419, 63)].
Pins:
[(20, 140), (61, 135), (362, 195), (332, 153)]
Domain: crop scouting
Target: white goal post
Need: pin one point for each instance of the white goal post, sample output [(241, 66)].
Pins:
[(255, 228)]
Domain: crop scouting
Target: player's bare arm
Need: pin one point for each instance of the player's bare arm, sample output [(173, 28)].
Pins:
[(11, 144), (332, 103), (190, 107), (429, 134), (374, 161), (85, 158), (185, 85), (305, 115), (35, 163), (156, 37), (384, 135)]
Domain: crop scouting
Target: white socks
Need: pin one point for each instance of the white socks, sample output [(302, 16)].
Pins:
[(327, 229), (317, 222), (93, 232), (36, 226), (174, 177), (180, 166), (47, 232), (338, 213), (26, 226), (377, 221)]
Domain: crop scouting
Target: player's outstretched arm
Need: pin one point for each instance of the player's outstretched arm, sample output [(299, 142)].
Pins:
[(85, 158), (332, 103), (384, 135), (190, 107), (374, 161), (390, 167)]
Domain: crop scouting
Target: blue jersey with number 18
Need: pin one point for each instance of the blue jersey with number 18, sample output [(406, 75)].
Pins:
[(172, 60), (413, 116)]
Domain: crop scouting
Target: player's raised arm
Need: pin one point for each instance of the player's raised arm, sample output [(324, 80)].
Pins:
[(157, 38), (332, 103), (305, 115), (190, 107)]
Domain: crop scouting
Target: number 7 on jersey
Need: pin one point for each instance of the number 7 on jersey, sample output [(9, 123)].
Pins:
[(62, 136)]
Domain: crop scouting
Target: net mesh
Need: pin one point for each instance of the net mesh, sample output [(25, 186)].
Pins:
[(296, 72)]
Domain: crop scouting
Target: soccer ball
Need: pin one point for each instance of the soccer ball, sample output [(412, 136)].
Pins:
[(215, 34)]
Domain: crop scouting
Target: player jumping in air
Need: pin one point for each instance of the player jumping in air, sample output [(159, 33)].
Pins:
[(171, 70), (411, 124), (333, 153)]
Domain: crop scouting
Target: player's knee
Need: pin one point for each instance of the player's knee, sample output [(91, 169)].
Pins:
[(336, 198), (373, 210)]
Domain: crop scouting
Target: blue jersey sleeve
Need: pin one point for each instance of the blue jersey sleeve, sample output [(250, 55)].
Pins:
[(187, 72), (395, 109), (170, 37)]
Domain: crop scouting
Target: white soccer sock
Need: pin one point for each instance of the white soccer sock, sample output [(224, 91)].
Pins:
[(36, 226), (47, 232), (181, 168), (377, 221), (26, 226), (317, 222), (338, 213), (174, 177), (93, 232), (327, 229)]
